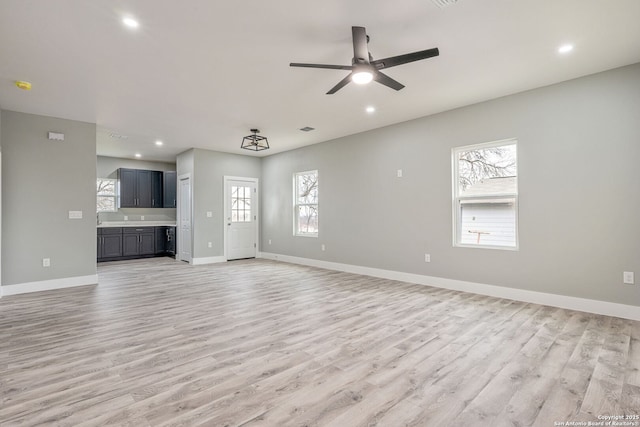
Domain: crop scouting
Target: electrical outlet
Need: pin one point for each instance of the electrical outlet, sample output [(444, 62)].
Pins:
[(427, 258), (209, 244), (323, 247), (126, 218), (141, 217), (269, 241), (627, 277), (46, 262), (399, 173)]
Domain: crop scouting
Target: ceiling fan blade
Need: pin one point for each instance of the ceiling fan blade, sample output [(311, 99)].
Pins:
[(329, 66), (340, 85), (387, 81), (360, 51), (392, 61)]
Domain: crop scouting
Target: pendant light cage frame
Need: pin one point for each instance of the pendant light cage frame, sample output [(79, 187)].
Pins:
[(255, 142)]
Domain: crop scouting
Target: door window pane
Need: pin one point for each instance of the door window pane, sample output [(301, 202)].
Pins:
[(240, 204)]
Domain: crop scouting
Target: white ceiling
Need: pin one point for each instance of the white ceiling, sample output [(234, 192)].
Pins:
[(201, 73)]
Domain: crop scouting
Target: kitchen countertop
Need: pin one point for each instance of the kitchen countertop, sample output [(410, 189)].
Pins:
[(108, 224)]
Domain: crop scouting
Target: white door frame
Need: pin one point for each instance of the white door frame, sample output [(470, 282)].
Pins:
[(0, 223), (225, 191), (179, 216)]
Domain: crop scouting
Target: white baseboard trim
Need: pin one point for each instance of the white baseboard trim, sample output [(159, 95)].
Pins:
[(47, 285), (561, 301), (208, 260)]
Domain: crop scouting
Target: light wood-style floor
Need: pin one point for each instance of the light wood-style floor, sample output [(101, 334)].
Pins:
[(261, 343)]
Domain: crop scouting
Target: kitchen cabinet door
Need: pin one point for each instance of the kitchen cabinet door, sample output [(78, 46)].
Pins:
[(127, 180), (144, 190), (156, 189), (169, 189), (130, 244)]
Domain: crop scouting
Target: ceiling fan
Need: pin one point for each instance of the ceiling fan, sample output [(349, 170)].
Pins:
[(364, 69)]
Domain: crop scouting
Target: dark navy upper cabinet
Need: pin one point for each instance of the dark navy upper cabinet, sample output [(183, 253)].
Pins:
[(128, 180), (169, 189), (145, 197), (140, 188), (156, 189)]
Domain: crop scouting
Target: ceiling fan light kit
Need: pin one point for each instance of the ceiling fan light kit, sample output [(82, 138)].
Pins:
[(361, 75), (364, 68), (255, 142)]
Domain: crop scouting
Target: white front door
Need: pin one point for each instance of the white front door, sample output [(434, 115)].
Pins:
[(241, 218), (184, 218)]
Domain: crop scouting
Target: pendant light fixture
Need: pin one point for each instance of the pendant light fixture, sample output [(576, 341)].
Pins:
[(255, 142)]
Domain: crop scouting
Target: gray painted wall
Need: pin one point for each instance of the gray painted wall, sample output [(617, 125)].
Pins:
[(579, 229), (107, 167), (209, 170), (42, 181), (184, 162), (184, 166)]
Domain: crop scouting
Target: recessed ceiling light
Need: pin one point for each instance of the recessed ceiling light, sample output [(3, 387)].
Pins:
[(159, 143), (138, 155), (565, 48), (370, 109), (130, 22)]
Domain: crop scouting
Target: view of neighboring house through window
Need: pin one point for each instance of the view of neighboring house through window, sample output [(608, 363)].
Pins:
[(485, 194), (306, 203), (106, 197)]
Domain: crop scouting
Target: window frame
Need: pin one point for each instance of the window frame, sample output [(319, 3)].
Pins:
[(244, 198), (114, 196), (457, 199), (296, 204)]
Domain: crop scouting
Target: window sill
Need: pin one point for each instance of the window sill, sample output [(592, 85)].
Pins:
[(306, 235), (500, 248)]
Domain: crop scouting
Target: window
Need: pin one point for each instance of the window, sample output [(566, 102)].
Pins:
[(106, 195), (485, 195), (240, 204), (306, 203)]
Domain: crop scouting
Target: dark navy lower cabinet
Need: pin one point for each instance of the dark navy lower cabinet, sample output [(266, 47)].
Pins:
[(109, 243), (118, 243)]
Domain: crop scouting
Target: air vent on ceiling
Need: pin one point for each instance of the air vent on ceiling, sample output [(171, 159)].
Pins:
[(117, 136), (307, 129), (443, 3)]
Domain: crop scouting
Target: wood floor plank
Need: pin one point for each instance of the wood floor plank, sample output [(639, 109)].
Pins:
[(264, 343)]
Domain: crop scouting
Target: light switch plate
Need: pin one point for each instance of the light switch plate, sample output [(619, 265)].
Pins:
[(627, 278), (75, 214), (55, 136)]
